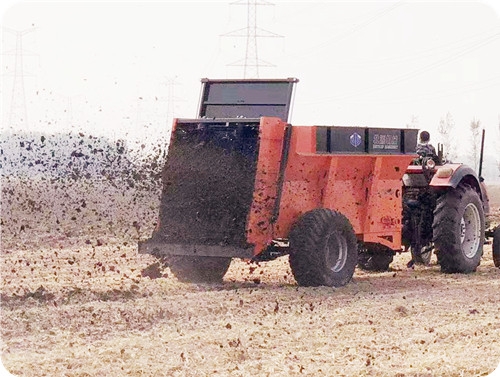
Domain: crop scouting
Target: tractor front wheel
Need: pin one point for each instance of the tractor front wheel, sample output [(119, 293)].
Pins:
[(496, 246), (458, 229), (323, 249)]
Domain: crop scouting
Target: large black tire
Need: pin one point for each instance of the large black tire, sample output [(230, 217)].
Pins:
[(496, 246), (458, 229), (374, 257), (323, 249), (189, 269)]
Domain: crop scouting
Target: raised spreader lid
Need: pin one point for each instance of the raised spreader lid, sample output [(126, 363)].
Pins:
[(246, 98)]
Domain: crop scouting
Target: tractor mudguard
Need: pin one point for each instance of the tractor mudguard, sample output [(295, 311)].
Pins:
[(459, 173), (462, 174)]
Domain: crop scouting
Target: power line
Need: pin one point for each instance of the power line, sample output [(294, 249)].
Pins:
[(347, 33), (449, 47), (438, 94), (404, 77)]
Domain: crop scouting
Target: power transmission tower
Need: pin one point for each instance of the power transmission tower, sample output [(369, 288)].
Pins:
[(170, 83), (251, 32), (69, 110), (18, 116)]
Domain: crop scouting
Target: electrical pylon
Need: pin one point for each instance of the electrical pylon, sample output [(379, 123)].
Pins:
[(18, 116), (251, 32), (170, 83)]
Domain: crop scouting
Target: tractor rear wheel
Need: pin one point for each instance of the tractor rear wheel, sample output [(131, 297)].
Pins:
[(496, 246), (190, 269), (458, 230), (323, 249), (374, 257)]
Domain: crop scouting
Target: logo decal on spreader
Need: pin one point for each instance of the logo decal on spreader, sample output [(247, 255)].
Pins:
[(355, 139)]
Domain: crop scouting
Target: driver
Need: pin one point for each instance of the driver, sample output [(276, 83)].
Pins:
[(424, 147)]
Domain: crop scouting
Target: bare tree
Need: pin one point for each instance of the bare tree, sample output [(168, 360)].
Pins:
[(413, 123), (446, 131), (475, 147)]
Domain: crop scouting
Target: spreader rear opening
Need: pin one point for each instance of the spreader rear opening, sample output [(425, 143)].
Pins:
[(208, 183)]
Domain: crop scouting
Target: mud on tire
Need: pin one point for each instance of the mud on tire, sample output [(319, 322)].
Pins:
[(458, 230), (323, 249), (189, 269)]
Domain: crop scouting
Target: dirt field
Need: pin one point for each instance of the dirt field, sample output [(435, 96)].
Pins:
[(75, 302)]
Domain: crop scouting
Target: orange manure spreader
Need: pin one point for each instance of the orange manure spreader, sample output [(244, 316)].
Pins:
[(241, 182)]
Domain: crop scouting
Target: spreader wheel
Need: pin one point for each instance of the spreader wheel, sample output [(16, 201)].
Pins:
[(323, 249)]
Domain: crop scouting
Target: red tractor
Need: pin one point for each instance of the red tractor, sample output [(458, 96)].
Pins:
[(445, 210), (241, 182)]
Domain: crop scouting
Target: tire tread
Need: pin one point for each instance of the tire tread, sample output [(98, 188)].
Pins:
[(306, 239), (447, 217)]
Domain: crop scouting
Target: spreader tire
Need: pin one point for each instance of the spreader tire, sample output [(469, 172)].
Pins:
[(458, 230), (323, 249), (189, 269), (496, 246)]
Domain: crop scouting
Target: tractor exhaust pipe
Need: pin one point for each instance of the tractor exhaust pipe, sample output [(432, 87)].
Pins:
[(481, 157)]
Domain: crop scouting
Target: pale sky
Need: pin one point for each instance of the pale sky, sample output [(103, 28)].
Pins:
[(111, 68)]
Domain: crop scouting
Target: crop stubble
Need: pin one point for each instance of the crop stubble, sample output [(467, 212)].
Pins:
[(77, 302)]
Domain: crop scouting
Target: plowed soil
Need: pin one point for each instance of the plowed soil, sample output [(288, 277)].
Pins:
[(77, 300)]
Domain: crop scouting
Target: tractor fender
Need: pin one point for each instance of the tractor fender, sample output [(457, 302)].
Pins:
[(461, 174)]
